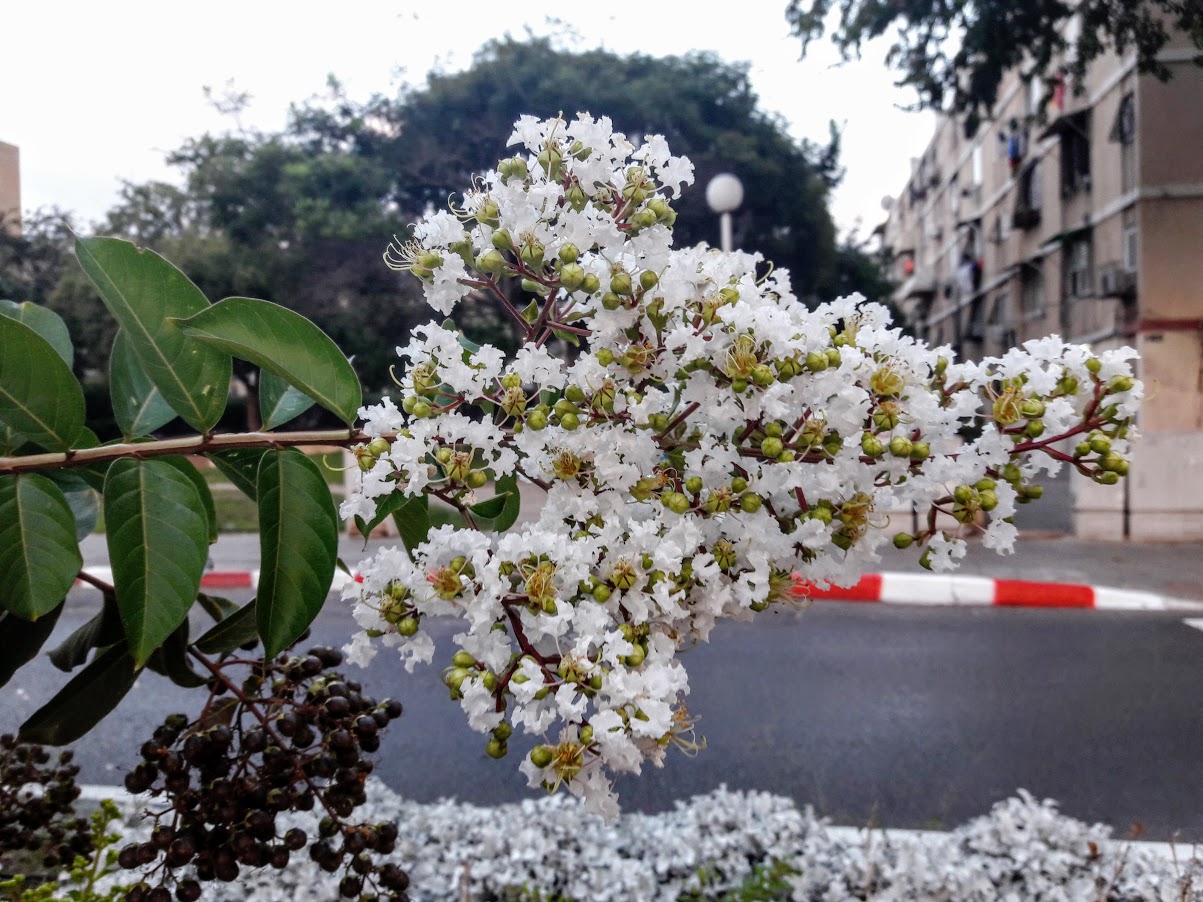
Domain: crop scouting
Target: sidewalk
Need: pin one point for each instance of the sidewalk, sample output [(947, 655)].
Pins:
[(1162, 569)]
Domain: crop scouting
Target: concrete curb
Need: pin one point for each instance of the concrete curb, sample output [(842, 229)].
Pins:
[(920, 589)]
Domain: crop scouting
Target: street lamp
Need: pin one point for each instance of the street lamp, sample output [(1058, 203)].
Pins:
[(724, 193)]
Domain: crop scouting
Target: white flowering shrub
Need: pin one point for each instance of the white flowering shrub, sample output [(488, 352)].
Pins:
[(708, 446)]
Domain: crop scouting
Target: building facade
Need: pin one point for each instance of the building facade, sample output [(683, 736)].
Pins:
[(1086, 222), (10, 186)]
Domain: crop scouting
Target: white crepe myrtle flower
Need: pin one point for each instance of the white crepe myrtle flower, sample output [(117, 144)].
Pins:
[(711, 448)]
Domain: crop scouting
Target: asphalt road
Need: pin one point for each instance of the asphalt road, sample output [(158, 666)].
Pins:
[(903, 716)]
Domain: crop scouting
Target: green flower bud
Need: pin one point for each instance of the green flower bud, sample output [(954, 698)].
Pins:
[(1081, 449), (602, 592), (816, 361), (611, 301), (620, 283), (572, 276), (833, 357), (750, 503), (1093, 365), (502, 240), (739, 385), (541, 755), (407, 626), (920, 451), (463, 659), (635, 658), (1121, 383), (536, 420), (739, 484), (605, 356), (762, 375), (772, 447), (591, 283), (1107, 477), (872, 445), (476, 479), (1032, 408), (648, 280), (491, 261), (900, 446), (421, 410), (569, 253), (693, 484), (570, 421), (1034, 429), (903, 540)]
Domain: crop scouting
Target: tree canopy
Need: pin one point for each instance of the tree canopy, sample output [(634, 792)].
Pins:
[(435, 138), (954, 53)]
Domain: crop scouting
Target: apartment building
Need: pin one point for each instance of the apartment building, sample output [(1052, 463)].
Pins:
[(10, 186), (1086, 221)]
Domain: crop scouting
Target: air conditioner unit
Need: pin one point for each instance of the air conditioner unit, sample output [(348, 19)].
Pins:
[(1115, 281)]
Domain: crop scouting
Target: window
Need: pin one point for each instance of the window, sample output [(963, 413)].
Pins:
[(1131, 241), (977, 164), (1032, 291), (1123, 132), (1029, 197), (1075, 154), (1077, 268)]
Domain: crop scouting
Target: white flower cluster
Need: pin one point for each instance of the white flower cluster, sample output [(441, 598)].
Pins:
[(714, 446), (711, 846)]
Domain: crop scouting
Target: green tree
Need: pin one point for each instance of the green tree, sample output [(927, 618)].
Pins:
[(954, 53), (436, 137)]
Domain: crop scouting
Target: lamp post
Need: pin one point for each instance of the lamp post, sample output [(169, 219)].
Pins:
[(724, 193)]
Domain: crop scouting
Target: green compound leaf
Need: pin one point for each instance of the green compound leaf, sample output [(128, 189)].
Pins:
[(23, 639), (298, 542), (157, 530), (279, 402), (138, 406), (144, 293), (46, 323), (39, 554), (283, 342), (39, 396), (85, 701)]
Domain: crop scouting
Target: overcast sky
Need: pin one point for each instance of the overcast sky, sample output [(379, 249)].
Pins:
[(96, 93)]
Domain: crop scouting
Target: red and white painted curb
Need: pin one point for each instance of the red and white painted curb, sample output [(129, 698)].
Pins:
[(926, 589), (979, 591)]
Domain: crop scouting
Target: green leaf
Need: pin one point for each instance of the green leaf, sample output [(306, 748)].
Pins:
[(39, 396), (138, 406), (23, 640), (241, 467), (46, 323), (413, 521), (144, 293), (84, 701), (298, 543), (279, 402), (85, 508), (464, 341), (157, 531), (571, 337), (171, 660), (215, 606), (185, 466), (385, 506), (507, 487), (282, 341), (530, 312), (39, 554), (490, 508), (235, 630), (101, 631)]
